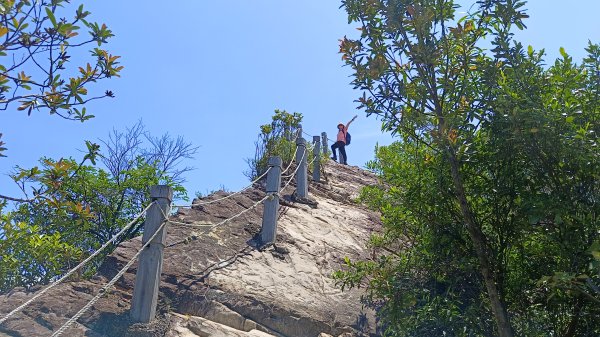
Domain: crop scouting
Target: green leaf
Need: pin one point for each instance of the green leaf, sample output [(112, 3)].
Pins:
[(51, 16), (563, 53)]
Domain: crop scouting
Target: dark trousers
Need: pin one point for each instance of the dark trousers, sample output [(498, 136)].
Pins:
[(342, 146)]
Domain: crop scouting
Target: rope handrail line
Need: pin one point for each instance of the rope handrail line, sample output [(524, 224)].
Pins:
[(239, 214), (70, 272), (328, 140), (308, 134), (228, 196), (291, 175), (188, 224), (294, 173), (103, 290), (211, 227), (243, 189), (314, 159), (291, 161)]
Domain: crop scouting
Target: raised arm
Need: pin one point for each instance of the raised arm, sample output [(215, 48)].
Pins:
[(352, 120)]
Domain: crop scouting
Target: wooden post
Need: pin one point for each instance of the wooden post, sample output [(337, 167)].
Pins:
[(299, 131), (301, 174), (268, 231), (317, 159), (324, 142), (147, 279)]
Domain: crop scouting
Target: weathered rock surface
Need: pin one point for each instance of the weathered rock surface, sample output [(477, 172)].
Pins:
[(237, 289), (190, 326)]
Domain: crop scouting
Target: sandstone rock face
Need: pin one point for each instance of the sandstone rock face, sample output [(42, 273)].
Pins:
[(218, 283), (189, 326)]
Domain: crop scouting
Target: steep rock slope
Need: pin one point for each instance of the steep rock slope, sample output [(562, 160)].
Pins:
[(217, 283)]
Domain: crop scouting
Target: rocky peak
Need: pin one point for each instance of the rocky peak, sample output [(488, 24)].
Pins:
[(218, 283)]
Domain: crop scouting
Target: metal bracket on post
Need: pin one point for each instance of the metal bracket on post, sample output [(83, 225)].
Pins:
[(268, 231), (301, 174), (324, 142), (316, 159), (147, 279)]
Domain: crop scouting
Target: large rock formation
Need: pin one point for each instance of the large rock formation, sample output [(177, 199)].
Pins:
[(218, 283)]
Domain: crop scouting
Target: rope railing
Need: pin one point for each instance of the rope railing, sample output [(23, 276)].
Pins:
[(245, 188), (179, 223), (298, 133), (272, 192), (104, 289), (291, 161), (291, 175), (309, 135), (212, 226), (227, 196), (70, 272), (294, 173), (314, 159)]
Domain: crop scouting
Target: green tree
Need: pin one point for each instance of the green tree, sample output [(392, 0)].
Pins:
[(275, 139), (495, 153), (74, 208), (36, 65)]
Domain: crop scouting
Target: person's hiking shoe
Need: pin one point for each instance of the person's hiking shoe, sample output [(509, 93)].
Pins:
[(334, 158)]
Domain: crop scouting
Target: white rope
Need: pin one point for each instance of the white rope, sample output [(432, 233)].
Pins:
[(328, 140), (294, 173), (70, 272), (108, 285), (179, 223), (314, 159), (228, 196), (291, 161), (309, 134), (242, 190), (239, 214), (211, 227)]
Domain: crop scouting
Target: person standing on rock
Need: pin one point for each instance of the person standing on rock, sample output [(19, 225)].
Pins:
[(343, 139)]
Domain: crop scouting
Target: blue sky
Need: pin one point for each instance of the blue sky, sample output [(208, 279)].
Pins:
[(213, 71)]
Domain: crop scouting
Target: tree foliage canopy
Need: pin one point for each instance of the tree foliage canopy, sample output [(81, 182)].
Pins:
[(71, 209), (277, 138), (490, 202), (37, 62)]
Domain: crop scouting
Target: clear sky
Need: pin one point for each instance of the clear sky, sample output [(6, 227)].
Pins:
[(213, 71)]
